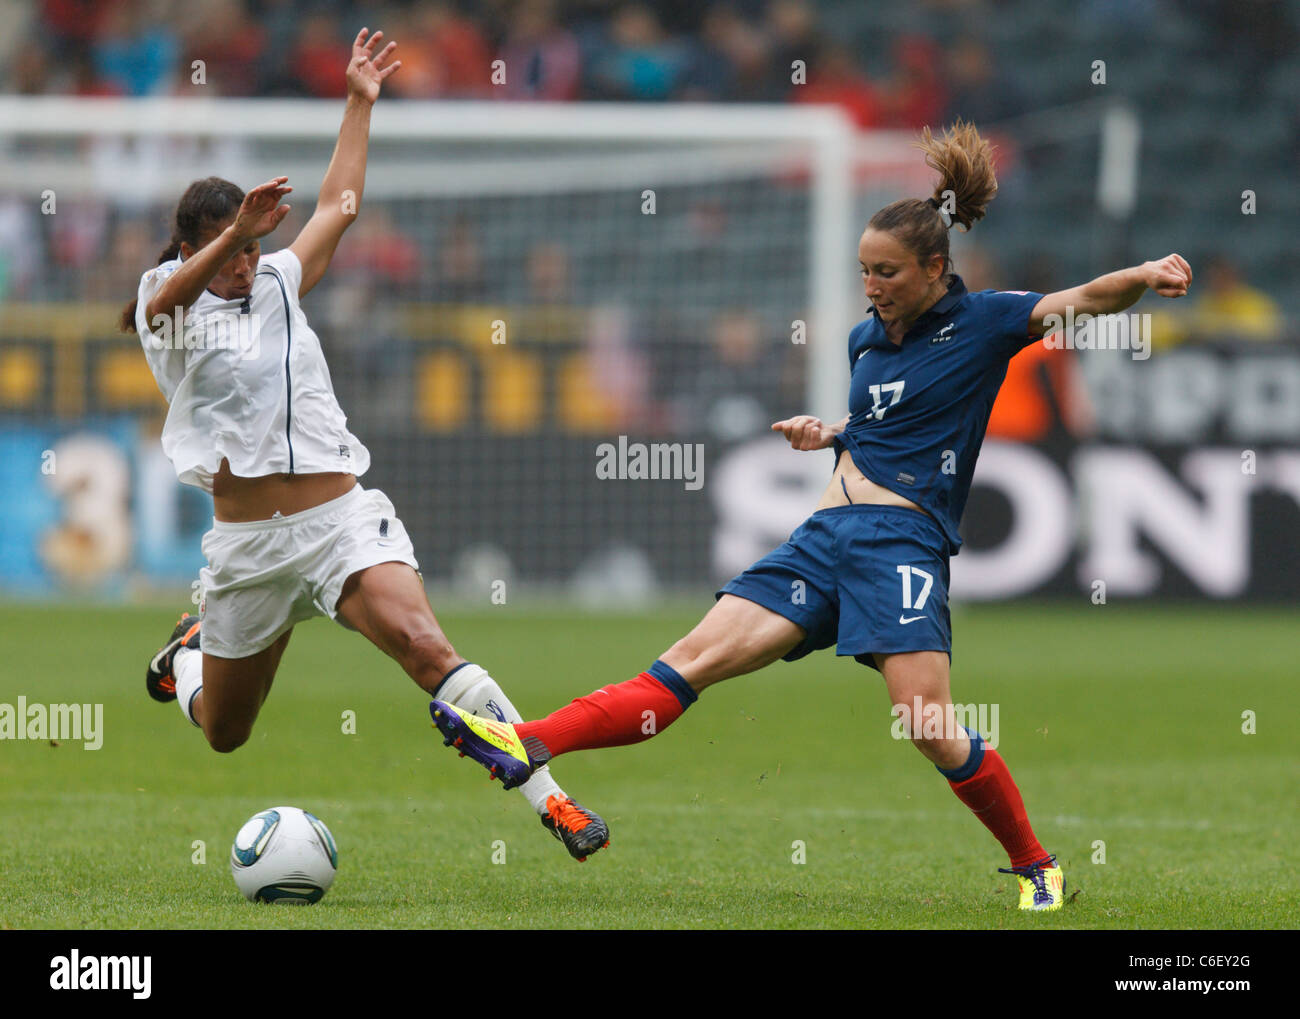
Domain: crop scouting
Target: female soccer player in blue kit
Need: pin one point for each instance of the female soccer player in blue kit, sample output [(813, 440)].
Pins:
[(871, 564)]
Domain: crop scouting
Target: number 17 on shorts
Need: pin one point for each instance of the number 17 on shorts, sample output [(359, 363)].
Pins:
[(918, 582)]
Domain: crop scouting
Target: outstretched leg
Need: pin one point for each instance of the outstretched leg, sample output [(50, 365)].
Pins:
[(736, 636), (388, 605)]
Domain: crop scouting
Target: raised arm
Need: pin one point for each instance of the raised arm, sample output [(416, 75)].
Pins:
[(1169, 277), (345, 179)]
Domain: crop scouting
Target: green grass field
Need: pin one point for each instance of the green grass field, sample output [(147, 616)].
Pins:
[(1121, 724)]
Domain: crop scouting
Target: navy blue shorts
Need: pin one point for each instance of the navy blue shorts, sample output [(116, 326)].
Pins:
[(870, 579)]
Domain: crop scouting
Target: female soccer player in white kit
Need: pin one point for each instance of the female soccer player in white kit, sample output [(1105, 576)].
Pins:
[(253, 419)]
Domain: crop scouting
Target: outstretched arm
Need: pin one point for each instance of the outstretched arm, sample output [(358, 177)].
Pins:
[(345, 179), (1169, 277)]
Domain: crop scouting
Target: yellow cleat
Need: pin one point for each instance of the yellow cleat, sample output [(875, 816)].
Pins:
[(1042, 885), (493, 744)]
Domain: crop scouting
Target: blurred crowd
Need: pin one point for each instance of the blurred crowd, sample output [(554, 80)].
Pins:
[(548, 50), (939, 59), (933, 62)]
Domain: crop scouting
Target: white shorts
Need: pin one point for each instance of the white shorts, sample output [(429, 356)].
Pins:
[(264, 576)]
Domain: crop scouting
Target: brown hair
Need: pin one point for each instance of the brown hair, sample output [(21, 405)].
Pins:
[(966, 185), (205, 205)]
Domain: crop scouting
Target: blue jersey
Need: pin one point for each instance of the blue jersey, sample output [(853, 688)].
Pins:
[(917, 412)]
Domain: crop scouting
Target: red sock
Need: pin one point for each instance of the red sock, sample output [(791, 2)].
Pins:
[(615, 715), (993, 797)]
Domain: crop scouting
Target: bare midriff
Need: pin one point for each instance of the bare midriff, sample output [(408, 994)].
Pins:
[(849, 486), (239, 500)]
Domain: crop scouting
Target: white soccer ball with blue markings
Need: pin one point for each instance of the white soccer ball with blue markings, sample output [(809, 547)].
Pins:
[(284, 855)]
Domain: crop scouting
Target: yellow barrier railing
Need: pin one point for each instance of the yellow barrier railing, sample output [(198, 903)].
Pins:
[(513, 352)]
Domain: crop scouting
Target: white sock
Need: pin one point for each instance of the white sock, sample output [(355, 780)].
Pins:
[(470, 687), (187, 668)]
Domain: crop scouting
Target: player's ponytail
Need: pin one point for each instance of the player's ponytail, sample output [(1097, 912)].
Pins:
[(967, 183), (205, 205)]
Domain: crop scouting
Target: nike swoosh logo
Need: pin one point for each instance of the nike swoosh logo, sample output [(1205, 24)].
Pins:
[(860, 357), (905, 620), (384, 544)]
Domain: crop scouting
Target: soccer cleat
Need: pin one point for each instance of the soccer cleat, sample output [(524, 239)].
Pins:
[(493, 744), (158, 678), (1042, 885), (581, 830)]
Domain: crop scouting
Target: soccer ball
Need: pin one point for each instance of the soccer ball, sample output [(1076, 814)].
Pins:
[(284, 855)]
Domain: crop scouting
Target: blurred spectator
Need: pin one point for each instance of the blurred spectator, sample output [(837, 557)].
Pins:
[(459, 274), (376, 251), (1040, 270), (375, 360), (30, 73), (542, 59), (86, 80), (640, 62), (733, 60), (615, 369), (230, 44), (973, 263), (319, 59), (711, 75), (78, 234), (131, 251), (1141, 16), (71, 26), (916, 95), (734, 388), (549, 313), (1227, 308), (834, 78), (22, 249), (135, 54), (16, 21), (279, 20), (792, 26), (443, 55), (548, 274), (1253, 34), (978, 92)]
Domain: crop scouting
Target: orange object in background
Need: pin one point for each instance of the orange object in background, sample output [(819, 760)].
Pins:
[(1043, 392)]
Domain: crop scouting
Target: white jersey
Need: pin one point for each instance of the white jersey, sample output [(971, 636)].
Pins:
[(247, 382)]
